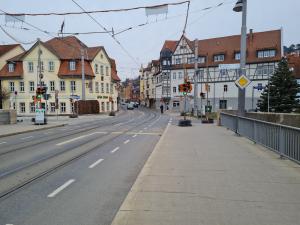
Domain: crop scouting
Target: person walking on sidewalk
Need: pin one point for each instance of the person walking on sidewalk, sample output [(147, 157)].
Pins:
[(161, 109)]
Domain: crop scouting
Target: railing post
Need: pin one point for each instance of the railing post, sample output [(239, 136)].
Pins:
[(281, 143), (254, 132)]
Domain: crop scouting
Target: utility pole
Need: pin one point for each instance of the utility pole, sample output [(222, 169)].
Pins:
[(196, 80), (242, 92), (82, 74)]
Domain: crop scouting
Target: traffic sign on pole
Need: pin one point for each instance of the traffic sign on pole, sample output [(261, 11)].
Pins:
[(242, 82)]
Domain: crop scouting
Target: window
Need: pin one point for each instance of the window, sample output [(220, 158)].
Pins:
[(191, 60), (31, 86), (102, 107), (237, 56), (201, 59), (207, 87), (219, 58), (101, 70), (73, 85), (42, 66), (102, 78), (12, 86), (91, 86), (107, 106), (180, 75), (52, 86), (174, 76), (11, 67), (30, 67), (176, 104), (266, 53), (22, 107), (32, 107), (107, 74), (225, 88), (177, 61), (62, 107), (223, 104), (174, 89), (62, 85), (111, 88), (107, 88), (22, 88), (97, 87), (51, 66), (102, 88), (96, 68), (72, 65), (52, 107)]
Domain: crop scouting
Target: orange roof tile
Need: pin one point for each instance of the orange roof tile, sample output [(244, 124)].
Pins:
[(114, 72), (6, 48), (65, 71), (18, 71)]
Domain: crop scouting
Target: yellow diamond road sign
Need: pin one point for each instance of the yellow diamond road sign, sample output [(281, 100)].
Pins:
[(242, 82)]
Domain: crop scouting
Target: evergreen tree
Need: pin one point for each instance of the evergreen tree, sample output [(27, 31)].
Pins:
[(283, 89)]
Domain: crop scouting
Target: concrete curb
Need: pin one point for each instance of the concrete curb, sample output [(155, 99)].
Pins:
[(119, 218), (27, 131)]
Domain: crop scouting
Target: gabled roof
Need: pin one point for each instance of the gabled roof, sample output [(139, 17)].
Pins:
[(294, 62), (65, 71), (6, 48), (169, 45), (114, 72), (66, 48)]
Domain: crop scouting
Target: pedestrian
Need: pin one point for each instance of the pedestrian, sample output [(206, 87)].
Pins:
[(161, 109)]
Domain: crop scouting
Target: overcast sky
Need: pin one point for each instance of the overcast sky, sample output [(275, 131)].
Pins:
[(144, 43)]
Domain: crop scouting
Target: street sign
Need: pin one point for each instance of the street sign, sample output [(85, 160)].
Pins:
[(39, 116), (76, 97), (242, 82), (234, 66), (208, 108)]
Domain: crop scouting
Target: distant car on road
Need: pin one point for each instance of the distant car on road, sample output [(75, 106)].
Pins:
[(130, 105), (135, 104)]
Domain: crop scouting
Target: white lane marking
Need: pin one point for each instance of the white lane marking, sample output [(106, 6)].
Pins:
[(127, 141), (48, 133), (62, 187), (116, 149), (9, 224), (24, 138), (145, 128), (118, 124), (134, 135), (140, 131), (78, 138), (1, 143), (95, 163)]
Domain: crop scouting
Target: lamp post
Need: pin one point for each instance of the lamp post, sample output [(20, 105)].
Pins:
[(241, 6)]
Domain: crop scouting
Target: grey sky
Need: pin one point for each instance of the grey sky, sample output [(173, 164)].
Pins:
[(144, 43)]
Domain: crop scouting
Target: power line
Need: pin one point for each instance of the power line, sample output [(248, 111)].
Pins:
[(95, 11), (112, 36), (15, 39)]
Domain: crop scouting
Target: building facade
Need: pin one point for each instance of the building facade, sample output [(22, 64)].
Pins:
[(214, 77), (61, 72)]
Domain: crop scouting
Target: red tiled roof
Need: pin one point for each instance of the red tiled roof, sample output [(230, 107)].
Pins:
[(93, 51), (294, 62), (66, 47), (18, 72), (65, 71), (114, 72), (6, 48), (171, 45)]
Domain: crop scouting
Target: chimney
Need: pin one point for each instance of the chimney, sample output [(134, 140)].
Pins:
[(251, 34)]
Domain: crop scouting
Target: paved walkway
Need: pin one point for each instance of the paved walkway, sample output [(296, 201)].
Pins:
[(207, 175)]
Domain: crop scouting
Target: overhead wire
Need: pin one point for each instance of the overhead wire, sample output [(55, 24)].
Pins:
[(15, 39)]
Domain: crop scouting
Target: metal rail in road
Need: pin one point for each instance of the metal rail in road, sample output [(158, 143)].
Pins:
[(284, 140)]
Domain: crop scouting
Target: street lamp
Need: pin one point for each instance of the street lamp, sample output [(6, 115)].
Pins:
[(241, 6)]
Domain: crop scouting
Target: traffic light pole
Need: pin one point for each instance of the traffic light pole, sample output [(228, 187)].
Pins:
[(196, 80)]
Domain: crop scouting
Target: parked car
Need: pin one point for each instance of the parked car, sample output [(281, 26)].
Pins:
[(135, 104), (130, 105)]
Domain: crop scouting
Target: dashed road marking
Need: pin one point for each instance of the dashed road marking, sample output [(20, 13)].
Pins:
[(24, 138), (127, 141), (95, 163), (1, 143), (134, 135), (62, 187), (115, 149), (80, 137)]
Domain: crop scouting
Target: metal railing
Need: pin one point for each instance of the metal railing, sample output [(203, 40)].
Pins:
[(284, 140)]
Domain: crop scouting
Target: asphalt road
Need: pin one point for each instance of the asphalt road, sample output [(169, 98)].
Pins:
[(77, 174)]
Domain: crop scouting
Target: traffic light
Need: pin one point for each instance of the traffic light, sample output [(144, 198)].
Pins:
[(180, 87), (202, 95)]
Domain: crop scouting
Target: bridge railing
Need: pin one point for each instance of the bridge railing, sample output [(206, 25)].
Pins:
[(284, 140)]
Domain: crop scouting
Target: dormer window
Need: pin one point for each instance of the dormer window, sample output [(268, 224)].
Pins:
[(237, 56), (201, 59), (11, 67), (72, 65), (219, 58), (266, 53)]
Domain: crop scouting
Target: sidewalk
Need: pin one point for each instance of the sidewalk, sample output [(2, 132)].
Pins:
[(53, 121), (206, 175)]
